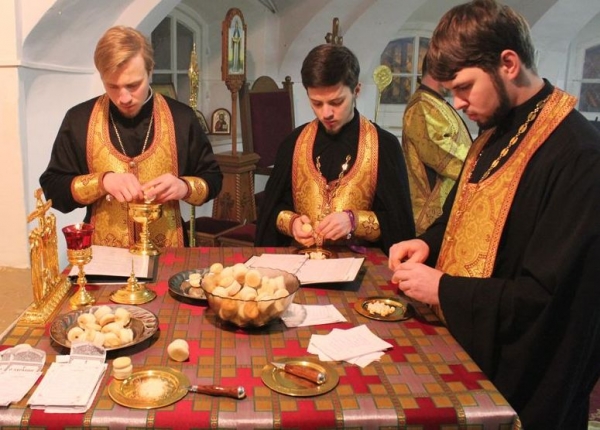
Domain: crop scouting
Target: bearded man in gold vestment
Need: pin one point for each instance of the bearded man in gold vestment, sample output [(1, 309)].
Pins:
[(511, 265)]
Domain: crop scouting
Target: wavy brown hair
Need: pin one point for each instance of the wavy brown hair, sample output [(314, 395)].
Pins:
[(120, 44), (474, 34)]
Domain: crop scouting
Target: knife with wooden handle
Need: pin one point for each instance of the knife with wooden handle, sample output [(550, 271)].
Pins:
[(304, 372), (215, 390)]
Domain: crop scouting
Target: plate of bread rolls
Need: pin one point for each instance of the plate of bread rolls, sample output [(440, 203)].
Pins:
[(110, 326)]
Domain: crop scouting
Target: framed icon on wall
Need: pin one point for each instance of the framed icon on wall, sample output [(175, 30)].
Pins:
[(221, 121)]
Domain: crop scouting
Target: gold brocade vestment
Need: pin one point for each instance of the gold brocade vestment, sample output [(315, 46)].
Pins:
[(436, 141), (113, 226), (356, 189), (480, 209)]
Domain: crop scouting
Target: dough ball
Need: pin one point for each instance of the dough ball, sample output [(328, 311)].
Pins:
[(85, 319), (233, 288), (307, 228), (99, 339), (209, 282), (251, 310), (179, 350), (101, 311), (122, 316), (248, 293), (113, 327), (125, 335), (239, 272), (74, 334), (194, 279), (216, 268), (226, 281), (106, 319), (111, 340), (219, 292), (122, 367), (253, 278)]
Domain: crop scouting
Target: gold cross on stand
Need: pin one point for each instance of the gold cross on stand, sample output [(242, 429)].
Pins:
[(334, 37)]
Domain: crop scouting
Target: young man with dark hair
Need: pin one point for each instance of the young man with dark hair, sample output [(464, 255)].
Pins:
[(341, 174)]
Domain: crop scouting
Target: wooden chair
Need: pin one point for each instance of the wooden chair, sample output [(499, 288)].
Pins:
[(267, 118)]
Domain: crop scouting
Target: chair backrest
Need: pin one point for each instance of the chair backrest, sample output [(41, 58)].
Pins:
[(267, 117)]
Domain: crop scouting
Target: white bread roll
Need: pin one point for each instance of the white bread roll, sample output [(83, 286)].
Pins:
[(179, 350), (101, 311), (74, 334), (122, 367), (123, 316), (85, 319)]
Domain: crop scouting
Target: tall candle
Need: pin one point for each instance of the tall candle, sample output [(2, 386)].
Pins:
[(78, 236)]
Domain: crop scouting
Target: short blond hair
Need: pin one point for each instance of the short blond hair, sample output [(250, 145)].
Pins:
[(120, 44)]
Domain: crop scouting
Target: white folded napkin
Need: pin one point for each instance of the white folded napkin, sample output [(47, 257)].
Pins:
[(297, 315), (357, 345)]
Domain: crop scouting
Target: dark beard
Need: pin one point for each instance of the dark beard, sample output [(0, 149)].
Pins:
[(503, 104)]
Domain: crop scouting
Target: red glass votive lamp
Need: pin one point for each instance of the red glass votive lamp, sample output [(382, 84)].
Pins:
[(78, 236)]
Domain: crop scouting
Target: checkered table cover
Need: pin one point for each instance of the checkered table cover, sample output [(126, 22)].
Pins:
[(426, 381)]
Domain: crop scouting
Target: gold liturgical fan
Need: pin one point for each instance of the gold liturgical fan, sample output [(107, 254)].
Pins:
[(133, 293)]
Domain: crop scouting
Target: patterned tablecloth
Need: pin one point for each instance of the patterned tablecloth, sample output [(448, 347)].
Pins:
[(426, 381)]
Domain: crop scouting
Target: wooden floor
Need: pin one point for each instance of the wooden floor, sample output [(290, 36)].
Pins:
[(15, 295)]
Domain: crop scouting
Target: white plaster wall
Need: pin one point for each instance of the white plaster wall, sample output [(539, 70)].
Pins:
[(13, 243)]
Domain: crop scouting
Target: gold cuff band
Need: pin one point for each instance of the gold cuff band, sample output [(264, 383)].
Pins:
[(198, 190), (86, 189), (367, 226), (285, 221)]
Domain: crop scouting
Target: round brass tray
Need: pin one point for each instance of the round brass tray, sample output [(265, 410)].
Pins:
[(402, 310), (285, 383), (326, 252), (138, 391), (143, 324), (179, 285)]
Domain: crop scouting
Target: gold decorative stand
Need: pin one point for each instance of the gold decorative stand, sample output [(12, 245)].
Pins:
[(50, 287), (133, 293), (144, 214)]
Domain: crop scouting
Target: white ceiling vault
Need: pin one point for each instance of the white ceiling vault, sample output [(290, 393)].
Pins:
[(66, 28)]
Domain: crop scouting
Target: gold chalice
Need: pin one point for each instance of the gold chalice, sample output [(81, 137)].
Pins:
[(144, 214), (79, 253)]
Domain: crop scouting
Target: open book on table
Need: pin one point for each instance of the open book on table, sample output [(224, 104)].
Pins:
[(311, 271), (114, 265)]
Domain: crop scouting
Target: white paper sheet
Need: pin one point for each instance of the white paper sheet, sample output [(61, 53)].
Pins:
[(345, 345), (297, 315), (111, 261)]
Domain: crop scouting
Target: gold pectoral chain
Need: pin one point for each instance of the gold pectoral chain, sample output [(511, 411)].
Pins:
[(336, 183), (119, 136), (522, 129)]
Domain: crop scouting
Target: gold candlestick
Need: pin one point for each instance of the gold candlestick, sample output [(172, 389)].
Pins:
[(144, 214), (79, 253), (133, 293)]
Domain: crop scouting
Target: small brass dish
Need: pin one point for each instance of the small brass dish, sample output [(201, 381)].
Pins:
[(150, 388)]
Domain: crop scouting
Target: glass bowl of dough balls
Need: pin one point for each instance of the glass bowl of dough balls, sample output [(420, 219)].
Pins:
[(248, 297)]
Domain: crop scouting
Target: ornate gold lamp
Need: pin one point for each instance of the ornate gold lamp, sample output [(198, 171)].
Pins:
[(79, 253), (133, 293), (144, 214)]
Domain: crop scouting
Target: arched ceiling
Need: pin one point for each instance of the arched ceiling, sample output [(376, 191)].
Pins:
[(67, 31)]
